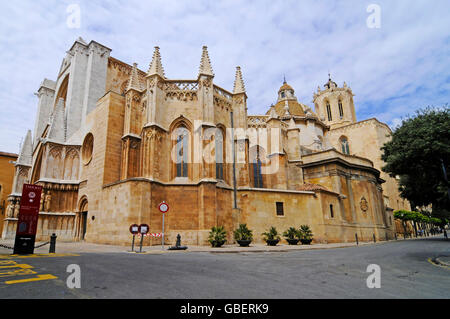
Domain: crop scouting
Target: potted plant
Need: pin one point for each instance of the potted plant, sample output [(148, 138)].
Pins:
[(306, 235), (217, 236), (271, 237), (292, 236), (243, 235)]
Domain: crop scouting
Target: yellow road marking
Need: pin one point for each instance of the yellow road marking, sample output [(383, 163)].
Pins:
[(17, 272), (23, 266), (38, 278), (36, 256), (437, 264)]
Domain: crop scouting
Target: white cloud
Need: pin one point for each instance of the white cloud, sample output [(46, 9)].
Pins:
[(393, 70)]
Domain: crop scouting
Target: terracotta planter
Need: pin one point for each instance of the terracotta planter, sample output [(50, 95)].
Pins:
[(244, 243)]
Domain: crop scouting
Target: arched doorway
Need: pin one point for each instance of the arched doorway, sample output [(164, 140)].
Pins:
[(83, 218)]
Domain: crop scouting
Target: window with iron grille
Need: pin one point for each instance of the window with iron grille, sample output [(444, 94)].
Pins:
[(280, 209)]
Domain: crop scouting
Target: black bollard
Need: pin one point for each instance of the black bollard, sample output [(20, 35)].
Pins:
[(356, 237), (52, 248), (395, 235), (374, 240)]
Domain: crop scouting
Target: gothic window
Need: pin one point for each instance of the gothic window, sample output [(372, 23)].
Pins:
[(257, 173), (257, 164), (182, 151), (219, 154), (282, 95), (330, 118), (331, 211), (344, 145), (341, 110)]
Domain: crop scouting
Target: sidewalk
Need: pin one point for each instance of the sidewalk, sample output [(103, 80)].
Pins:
[(83, 247)]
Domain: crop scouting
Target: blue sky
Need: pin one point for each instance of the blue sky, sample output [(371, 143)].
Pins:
[(393, 70)]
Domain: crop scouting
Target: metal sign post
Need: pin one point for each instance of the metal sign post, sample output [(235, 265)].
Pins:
[(140, 246), (163, 208), (163, 232), (134, 229), (143, 230)]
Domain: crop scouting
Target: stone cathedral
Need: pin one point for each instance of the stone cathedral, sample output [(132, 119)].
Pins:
[(111, 142)]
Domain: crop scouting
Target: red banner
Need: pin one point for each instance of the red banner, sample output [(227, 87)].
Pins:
[(29, 210)]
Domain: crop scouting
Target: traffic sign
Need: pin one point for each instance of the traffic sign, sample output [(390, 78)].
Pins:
[(143, 229), (163, 207), (134, 229)]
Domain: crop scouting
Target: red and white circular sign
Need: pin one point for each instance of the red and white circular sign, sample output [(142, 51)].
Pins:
[(163, 207)]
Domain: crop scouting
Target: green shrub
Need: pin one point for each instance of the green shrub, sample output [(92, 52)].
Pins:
[(305, 232), (217, 234), (291, 233), (272, 234), (243, 233)]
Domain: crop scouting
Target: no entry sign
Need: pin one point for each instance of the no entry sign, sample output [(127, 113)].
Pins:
[(163, 207)]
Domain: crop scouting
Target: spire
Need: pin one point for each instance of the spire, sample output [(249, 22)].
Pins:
[(284, 79), (134, 82), (156, 65), (205, 63), (57, 131), (26, 152), (330, 83), (239, 86)]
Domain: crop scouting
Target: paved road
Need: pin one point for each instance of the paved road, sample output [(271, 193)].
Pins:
[(406, 272)]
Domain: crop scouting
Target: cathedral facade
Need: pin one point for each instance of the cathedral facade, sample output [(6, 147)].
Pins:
[(111, 142)]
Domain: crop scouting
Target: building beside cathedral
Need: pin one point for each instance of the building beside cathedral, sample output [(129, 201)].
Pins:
[(111, 142)]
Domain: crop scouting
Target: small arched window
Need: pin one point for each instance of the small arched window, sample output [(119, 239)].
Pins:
[(330, 118), (344, 145)]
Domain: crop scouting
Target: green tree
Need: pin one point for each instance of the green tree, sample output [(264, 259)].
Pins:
[(418, 152)]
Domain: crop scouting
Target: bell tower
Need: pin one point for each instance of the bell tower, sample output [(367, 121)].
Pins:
[(334, 105)]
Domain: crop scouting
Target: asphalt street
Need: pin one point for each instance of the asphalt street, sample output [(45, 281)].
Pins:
[(407, 271)]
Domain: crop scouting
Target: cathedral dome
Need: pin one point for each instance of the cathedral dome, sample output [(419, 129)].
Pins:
[(285, 87), (294, 108), (287, 103)]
